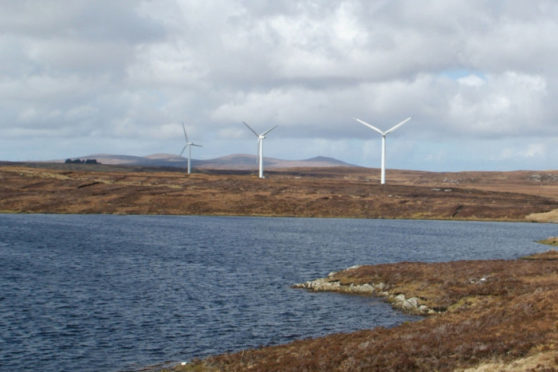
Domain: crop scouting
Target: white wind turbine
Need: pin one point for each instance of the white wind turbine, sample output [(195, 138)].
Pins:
[(188, 145), (261, 137), (384, 134)]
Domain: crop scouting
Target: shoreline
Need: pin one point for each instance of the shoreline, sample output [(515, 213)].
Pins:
[(420, 218), (10, 212), (479, 316)]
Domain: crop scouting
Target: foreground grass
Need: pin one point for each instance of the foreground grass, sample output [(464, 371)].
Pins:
[(490, 315)]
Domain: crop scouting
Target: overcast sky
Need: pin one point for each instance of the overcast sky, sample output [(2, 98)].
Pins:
[(479, 79)]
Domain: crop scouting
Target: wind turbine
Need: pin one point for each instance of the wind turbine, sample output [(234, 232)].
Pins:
[(189, 146), (384, 134), (261, 137)]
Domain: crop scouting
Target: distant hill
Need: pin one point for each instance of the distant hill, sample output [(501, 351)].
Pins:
[(243, 161), (232, 162)]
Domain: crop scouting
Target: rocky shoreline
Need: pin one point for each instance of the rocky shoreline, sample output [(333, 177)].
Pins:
[(412, 305)]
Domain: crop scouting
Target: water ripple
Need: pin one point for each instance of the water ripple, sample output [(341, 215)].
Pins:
[(110, 293)]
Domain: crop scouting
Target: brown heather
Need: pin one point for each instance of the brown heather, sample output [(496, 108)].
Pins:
[(331, 192)]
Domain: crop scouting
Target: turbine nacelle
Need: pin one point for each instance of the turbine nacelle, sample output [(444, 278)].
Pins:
[(259, 135)]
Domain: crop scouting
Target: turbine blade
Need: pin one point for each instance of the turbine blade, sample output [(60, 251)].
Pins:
[(269, 130), (249, 127), (397, 125), (185, 135), (195, 144), (183, 149), (370, 126)]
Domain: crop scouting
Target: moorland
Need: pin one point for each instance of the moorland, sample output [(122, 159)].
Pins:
[(300, 192)]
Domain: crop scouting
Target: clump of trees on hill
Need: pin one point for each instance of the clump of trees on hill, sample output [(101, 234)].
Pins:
[(81, 161)]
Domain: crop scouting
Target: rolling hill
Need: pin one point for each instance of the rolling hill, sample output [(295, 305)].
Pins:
[(232, 162)]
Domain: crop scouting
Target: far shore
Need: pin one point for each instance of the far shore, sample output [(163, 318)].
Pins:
[(346, 192)]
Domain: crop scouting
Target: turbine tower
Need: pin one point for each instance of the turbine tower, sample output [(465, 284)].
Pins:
[(261, 137), (188, 145), (384, 134)]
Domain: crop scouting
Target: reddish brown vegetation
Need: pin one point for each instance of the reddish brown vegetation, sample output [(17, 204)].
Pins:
[(338, 192), (496, 311)]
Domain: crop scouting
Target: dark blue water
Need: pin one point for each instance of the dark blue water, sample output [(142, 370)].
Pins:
[(110, 293)]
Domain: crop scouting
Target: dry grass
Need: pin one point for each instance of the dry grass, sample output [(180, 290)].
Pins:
[(553, 240), (551, 216), (540, 362), (499, 314), (337, 192)]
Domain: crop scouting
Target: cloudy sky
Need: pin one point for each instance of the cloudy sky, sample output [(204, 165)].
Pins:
[(479, 79)]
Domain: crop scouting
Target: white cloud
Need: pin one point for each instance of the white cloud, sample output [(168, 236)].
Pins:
[(133, 70), (508, 104), (534, 150), (472, 80)]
